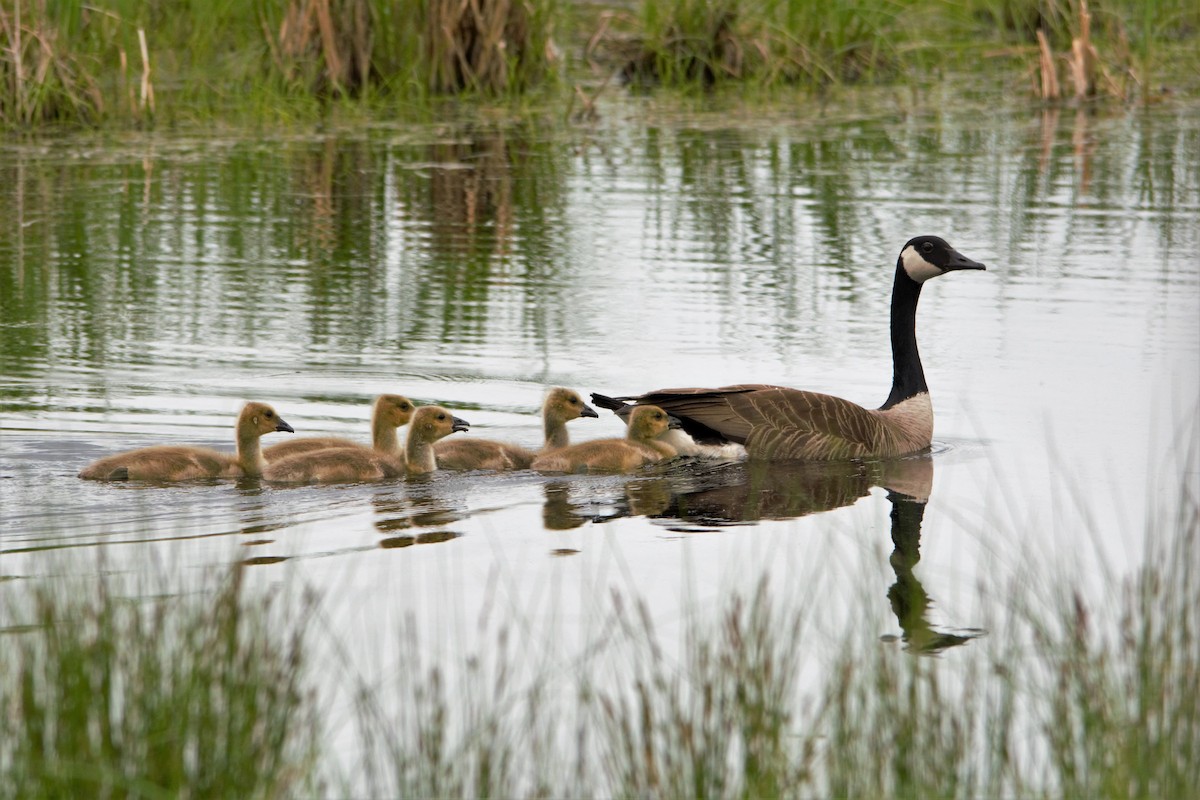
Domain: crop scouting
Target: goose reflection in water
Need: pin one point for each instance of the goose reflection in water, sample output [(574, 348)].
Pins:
[(696, 496)]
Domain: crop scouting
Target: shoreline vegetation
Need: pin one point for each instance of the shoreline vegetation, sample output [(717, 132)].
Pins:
[(147, 63), (214, 693)]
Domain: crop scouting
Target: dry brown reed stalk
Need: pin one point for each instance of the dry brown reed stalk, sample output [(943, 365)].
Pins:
[(147, 95), (1082, 61), (325, 44), (39, 80), (1046, 68), (475, 44), (1085, 71)]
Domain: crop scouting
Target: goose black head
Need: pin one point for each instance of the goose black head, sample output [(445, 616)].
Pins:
[(925, 257)]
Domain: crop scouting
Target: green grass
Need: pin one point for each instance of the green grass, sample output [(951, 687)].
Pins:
[(204, 696), (280, 61), (197, 696)]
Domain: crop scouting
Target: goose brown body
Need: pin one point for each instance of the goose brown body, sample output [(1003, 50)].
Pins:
[(183, 462), (389, 412), (560, 407), (778, 423), (640, 447), (428, 425)]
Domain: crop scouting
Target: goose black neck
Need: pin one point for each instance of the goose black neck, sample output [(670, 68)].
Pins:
[(908, 378)]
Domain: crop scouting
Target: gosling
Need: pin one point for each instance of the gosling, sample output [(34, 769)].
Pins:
[(355, 464), (184, 462), (429, 423), (560, 407), (391, 411), (640, 447)]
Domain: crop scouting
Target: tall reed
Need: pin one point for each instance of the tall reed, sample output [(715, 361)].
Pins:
[(772, 41), (199, 696), (1068, 697)]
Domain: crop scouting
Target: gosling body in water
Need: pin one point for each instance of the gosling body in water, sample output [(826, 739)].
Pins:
[(357, 464), (185, 462), (560, 407), (778, 423), (641, 446), (389, 413)]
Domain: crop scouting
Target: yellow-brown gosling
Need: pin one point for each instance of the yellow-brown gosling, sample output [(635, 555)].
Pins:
[(390, 412), (184, 462), (774, 422), (560, 407), (641, 446), (429, 423), (354, 464)]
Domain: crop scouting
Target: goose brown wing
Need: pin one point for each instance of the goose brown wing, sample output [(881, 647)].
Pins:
[(707, 415), (776, 422)]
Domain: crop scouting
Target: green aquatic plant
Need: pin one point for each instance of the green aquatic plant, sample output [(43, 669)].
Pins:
[(707, 42), (196, 696), (205, 695)]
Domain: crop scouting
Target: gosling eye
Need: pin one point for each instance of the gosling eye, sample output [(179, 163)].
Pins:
[(927, 247), (441, 416), (574, 401), (269, 414)]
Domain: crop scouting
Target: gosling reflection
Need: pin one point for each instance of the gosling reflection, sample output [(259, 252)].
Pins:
[(564, 509), (698, 495), (395, 513)]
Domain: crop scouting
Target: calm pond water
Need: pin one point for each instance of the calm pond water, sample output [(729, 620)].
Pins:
[(150, 284)]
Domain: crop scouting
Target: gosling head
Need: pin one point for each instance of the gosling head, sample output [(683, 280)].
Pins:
[(431, 423), (260, 418), (394, 409), (926, 257), (566, 404), (648, 422)]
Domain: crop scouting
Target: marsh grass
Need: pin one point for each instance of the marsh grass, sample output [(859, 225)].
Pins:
[(144, 62), (769, 42), (1071, 695), (1068, 697), (197, 696), (42, 78)]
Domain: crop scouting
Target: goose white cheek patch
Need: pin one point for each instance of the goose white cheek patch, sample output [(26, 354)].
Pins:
[(917, 268)]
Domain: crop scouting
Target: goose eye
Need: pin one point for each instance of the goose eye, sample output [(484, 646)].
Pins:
[(269, 414), (441, 416), (574, 401), (927, 247)]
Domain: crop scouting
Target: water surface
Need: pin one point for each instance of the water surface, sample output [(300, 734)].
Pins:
[(151, 283)]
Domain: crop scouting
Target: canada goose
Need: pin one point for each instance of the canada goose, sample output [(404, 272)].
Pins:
[(335, 465), (429, 423), (640, 446), (560, 407), (183, 462), (391, 411), (773, 422)]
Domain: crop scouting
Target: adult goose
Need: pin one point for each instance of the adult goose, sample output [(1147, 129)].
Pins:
[(391, 411), (560, 407), (429, 423), (185, 462), (777, 423), (640, 446)]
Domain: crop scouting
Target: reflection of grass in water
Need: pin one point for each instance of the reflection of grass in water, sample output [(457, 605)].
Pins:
[(173, 696), (1063, 702)]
